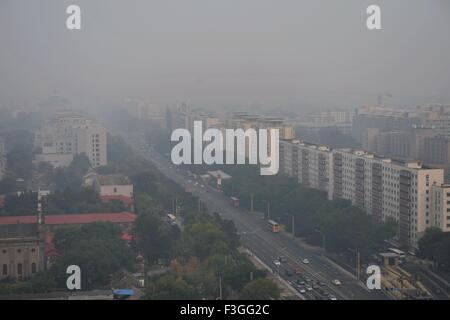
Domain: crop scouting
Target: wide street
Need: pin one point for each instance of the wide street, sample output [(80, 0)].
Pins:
[(268, 246)]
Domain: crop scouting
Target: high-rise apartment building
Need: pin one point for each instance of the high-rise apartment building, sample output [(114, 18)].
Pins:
[(440, 206), (382, 187), (310, 164)]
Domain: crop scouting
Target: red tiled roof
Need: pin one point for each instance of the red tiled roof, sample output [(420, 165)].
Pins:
[(124, 199), (18, 219), (121, 217)]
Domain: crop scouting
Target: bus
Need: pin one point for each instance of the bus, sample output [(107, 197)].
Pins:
[(171, 219), (273, 226), (400, 253)]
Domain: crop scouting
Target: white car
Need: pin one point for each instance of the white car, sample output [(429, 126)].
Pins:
[(332, 297), (305, 261), (336, 282), (277, 263)]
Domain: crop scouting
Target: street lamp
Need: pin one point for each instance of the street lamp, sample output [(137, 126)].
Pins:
[(323, 239)]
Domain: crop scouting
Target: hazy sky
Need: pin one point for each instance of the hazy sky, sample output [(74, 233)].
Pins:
[(273, 53)]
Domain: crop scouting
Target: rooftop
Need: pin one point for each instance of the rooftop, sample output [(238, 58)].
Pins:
[(113, 179), (120, 217)]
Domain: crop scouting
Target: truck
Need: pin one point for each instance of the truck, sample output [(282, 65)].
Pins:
[(234, 202)]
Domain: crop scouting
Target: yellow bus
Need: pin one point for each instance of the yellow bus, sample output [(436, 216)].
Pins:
[(274, 226)]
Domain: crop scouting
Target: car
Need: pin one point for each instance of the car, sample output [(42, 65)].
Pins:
[(321, 283), (326, 293), (300, 282), (308, 279), (276, 263), (301, 289), (315, 286), (282, 259), (288, 273), (297, 271), (305, 261), (331, 297), (308, 288), (336, 282)]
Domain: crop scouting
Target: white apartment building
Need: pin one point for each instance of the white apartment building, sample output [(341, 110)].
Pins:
[(440, 206), (384, 188), (388, 189), (311, 164), (68, 134)]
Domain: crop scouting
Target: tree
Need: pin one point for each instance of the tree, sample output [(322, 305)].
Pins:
[(171, 287), (21, 204), (96, 248), (154, 238), (429, 243), (71, 178), (260, 289), (20, 154)]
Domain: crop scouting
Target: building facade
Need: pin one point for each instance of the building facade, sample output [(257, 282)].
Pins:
[(384, 188), (22, 251), (440, 206), (68, 134), (24, 240)]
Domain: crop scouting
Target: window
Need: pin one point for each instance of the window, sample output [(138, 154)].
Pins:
[(33, 268), (19, 251), (115, 190), (19, 268), (5, 270), (33, 250), (4, 251)]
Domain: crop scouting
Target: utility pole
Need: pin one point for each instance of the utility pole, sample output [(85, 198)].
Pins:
[(293, 226), (323, 242), (220, 288), (251, 202), (358, 267)]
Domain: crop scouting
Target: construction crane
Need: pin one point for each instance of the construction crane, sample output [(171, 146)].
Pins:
[(380, 97)]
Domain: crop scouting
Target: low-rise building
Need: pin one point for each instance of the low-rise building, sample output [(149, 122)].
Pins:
[(26, 242), (113, 185), (22, 251)]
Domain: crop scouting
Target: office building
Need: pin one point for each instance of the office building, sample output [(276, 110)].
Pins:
[(69, 134)]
